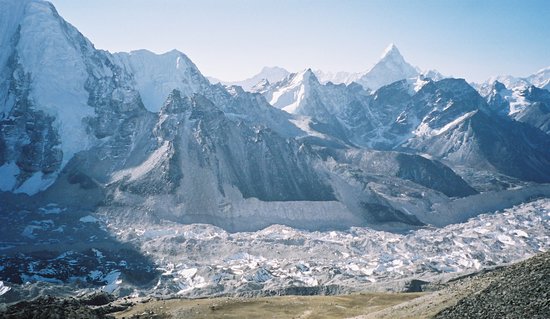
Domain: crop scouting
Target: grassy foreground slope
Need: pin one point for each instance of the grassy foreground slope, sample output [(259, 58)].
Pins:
[(269, 307)]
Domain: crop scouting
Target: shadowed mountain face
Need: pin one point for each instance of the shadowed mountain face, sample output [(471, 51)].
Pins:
[(458, 127), (55, 249), (198, 143)]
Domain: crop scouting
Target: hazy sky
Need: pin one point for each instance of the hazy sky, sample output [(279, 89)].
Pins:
[(234, 39)]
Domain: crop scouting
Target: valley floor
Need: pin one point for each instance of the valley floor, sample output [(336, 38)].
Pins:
[(269, 307)]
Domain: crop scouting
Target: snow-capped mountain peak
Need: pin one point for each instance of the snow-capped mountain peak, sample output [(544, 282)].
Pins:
[(541, 78), (305, 76), (337, 77), (272, 71), (391, 51), (156, 75), (289, 93), (393, 57), (390, 68), (272, 74), (510, 82)]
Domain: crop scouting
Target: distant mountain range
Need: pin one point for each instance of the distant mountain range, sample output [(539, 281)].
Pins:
[(390, 68), (271, 74)]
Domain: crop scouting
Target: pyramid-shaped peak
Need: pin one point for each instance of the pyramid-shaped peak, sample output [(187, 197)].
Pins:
[(307, 75), (298, 77), (499, 86), (390, 68), (391, 51)]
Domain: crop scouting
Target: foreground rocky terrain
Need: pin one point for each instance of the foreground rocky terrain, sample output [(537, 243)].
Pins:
[(520, 290), (94, 305)]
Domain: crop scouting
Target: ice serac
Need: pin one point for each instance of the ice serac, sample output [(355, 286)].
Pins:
[(156, 75), (391, 67)]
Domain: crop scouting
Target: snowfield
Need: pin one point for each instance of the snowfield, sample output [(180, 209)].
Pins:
[(199, 259)]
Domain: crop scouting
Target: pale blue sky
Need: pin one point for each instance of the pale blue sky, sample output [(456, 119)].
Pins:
[(234, 39)]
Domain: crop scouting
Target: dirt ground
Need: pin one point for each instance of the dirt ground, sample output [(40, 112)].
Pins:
[(269, 307)]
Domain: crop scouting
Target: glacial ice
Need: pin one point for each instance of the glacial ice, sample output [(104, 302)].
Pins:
[(280, 256)]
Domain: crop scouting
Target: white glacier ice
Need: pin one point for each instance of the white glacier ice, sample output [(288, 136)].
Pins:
[(280, 256)]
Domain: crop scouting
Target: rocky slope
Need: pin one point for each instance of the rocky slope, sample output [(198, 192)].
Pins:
[(513, 291), (518, 291), (94, 305)]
